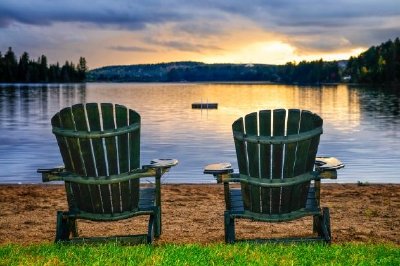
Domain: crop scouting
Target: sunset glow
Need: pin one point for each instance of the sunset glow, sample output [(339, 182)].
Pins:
[(133, 32)]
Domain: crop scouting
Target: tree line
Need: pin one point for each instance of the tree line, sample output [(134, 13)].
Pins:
[(379, 64), (28, 70), (314, 72)]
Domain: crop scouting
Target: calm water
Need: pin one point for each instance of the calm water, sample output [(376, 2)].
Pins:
[(361, 126)]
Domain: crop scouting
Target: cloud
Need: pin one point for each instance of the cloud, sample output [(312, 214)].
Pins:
[(119, 14), (208, 25), (183, 45), (132, 49)]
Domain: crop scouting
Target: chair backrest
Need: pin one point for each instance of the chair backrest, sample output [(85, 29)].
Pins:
[(95, 141), (276, 144)]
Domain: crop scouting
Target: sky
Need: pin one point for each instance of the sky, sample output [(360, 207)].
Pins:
[(124, 32)]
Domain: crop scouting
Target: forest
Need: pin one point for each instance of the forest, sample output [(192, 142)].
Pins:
[(26, 70), (377, 65)]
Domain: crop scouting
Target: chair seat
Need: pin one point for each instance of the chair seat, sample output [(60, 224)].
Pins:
[(237, 207), (147, 198), (146, 206)]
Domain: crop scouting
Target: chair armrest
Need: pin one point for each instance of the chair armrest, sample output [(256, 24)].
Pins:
[(220, 171), (163, 164), (51, 174), (272, 183), (327, 167)]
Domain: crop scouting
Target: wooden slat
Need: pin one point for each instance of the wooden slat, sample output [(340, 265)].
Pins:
[(306, 124), (292, 128), (92, 110), (299, 192), (102, 194), (313, 144), (265, 158), (253, 160), (73, 144), (134, 152), (293, 123), (62, 144), (107, 112), (86, 150), (279, 117), (241, 154), (121, 113), (85, 200), (67, 122)]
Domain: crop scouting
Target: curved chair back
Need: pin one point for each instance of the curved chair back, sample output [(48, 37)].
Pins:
[(276, 146), (99, 141)]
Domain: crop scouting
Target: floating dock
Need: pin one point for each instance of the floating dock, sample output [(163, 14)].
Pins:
[(204, 105)]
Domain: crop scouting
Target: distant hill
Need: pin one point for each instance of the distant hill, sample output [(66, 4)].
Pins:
[(184, 71), (379, 64)]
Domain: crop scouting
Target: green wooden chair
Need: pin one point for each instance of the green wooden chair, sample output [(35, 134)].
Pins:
[(279, 181), (100, 147)]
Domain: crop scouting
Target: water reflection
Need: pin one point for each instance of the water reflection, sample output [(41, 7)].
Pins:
[(360, 124)]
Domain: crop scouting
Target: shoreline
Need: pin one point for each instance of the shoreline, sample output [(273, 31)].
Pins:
[(193, 213)]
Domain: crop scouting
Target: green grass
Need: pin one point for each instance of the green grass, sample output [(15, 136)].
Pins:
[(215, 254)]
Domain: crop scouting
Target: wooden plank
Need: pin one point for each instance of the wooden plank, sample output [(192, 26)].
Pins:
[(277, 150), (85, 199), (292, 128), (241, 154), (92, 110), (100, 196), (134, 151), (253, 160), (67, 122), (86, 149), (313, 149), (62, 144), (121, 119), (265, 158), (279, 117), (134, 141), (107, 111), (299, 192), (293, 123), (306, 124)]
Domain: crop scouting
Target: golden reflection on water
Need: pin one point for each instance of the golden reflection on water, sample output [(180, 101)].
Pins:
[(353, 117), (166, 108)]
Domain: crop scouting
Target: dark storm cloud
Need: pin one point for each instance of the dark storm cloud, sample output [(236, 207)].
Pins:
[(183, 46), (359, 22), (119, 14), (132, 49)]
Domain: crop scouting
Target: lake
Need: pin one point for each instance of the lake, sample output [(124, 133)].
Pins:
[(361, 125)]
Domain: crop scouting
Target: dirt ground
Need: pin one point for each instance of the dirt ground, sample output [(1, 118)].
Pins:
[(194, 214)]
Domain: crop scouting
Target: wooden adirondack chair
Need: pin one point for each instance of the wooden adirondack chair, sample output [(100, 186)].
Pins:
[(100, 147), (276, 151)]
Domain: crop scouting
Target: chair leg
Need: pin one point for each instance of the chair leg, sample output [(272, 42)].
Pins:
[(326, 225), (322, 225), (62, 227), (317, 224), (73, 225), (151, 229), (229, 224), (157, 222)]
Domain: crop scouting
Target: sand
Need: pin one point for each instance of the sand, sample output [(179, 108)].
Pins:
[(194, 214)]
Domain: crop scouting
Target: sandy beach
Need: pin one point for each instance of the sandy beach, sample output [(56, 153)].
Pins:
[(194, 214)]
